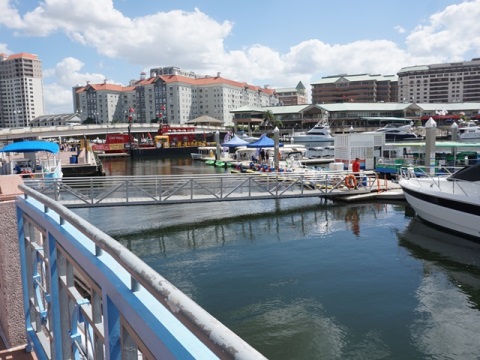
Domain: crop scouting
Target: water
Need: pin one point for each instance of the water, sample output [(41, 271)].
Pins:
[(312, 279)]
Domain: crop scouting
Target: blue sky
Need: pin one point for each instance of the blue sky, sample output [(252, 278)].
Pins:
[(264, 42)]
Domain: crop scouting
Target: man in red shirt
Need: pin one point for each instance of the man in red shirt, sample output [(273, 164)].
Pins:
[(356, 170)]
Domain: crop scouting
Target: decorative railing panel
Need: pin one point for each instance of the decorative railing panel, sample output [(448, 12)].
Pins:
[(151, 190), (88, 297)]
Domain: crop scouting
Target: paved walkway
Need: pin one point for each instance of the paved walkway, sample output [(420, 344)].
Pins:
[(17, 353)]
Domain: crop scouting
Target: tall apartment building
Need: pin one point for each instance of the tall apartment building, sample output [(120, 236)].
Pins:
[(362, 88), (440, 83), (21, 89), (292, 96), (172, 98)]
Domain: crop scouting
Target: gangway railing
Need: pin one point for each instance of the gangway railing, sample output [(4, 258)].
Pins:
[(148, 190), (88, 297)]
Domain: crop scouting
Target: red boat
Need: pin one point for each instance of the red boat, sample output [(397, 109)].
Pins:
[(186, 138)]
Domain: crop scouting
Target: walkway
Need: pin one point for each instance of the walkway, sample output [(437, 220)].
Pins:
[(17, 353), (177, 189)]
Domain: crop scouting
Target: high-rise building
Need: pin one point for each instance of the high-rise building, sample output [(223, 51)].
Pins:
[(440, 83), (21, 89), (172, 98), (360, 88)]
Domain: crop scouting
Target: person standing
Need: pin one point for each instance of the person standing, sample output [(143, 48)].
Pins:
[(356, 171)]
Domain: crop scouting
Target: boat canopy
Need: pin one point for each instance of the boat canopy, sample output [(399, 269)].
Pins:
[(468, 173), (32, 146), (235, 141)]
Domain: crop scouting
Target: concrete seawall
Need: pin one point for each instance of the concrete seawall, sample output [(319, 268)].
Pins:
[(12, 323)]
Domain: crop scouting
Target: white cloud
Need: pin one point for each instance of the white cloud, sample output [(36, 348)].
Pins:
[(451, 34), (400, 29), (195, 41), (66, 74), (4, 49), (9, 15)]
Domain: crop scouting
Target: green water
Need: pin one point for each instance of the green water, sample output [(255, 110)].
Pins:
[(309, 279)]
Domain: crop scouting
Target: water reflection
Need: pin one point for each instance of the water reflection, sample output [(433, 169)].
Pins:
[(448, 321), (126, 167), (206, 228)]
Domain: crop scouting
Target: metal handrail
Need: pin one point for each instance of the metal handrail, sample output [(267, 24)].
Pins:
[(58, 224), (141, 190)]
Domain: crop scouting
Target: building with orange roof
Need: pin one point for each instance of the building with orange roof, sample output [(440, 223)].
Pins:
[(21, 89), (169, 95)]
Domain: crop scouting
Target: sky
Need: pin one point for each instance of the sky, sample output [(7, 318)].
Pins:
[(263, 42)]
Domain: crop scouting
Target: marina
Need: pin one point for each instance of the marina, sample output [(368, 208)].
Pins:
[(309, 279)]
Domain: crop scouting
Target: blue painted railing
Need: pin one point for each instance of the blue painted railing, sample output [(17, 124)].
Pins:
[(88, 297)]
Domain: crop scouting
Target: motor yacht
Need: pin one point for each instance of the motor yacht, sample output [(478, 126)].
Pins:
[(447, 201), (469, 132), (395, 132), (319, 133)]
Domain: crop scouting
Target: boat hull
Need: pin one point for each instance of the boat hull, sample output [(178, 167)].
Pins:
[(457, 213), (312, 138)]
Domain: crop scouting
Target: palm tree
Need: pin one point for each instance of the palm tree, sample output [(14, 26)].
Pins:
[(268, 118)]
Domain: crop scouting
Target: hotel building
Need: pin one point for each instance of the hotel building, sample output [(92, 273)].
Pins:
[(440, 83), (361, 88), (174, 97), (292, 96), (21, 89)]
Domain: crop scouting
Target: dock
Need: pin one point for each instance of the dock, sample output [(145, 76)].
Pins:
[(84, 163)]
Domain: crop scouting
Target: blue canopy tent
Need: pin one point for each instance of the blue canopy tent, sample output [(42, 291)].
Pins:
[(235, 141), (263, 142), (32, 146)]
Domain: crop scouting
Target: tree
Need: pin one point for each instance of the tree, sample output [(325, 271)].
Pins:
[(268, 118), (89, 121)]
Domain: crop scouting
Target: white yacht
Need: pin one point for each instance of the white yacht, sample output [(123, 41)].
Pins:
[(469, 132), (319, 133), (396, 132), (449, 201)]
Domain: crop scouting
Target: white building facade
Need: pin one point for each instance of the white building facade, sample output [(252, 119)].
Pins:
[(170, 98), (21, 90)]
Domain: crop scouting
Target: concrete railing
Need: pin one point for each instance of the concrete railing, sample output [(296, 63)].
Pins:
[(87, 296)]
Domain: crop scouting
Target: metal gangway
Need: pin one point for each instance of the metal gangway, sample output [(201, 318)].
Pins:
[(177, 189), (86, 296)]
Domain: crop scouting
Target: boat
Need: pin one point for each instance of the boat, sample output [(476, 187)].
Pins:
[(469, 132), (169, 141), (320, 152), (448, 201), (38, 159), (208, 153), (204, 153), (396, 132), (319, 133)]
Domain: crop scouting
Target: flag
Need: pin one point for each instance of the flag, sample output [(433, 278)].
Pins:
[(131, 110), (163, 107)]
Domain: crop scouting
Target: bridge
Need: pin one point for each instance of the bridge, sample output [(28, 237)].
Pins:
[(87, 130), (177, 189)]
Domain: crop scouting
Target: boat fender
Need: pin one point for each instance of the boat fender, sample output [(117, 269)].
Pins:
[(350, 181)]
